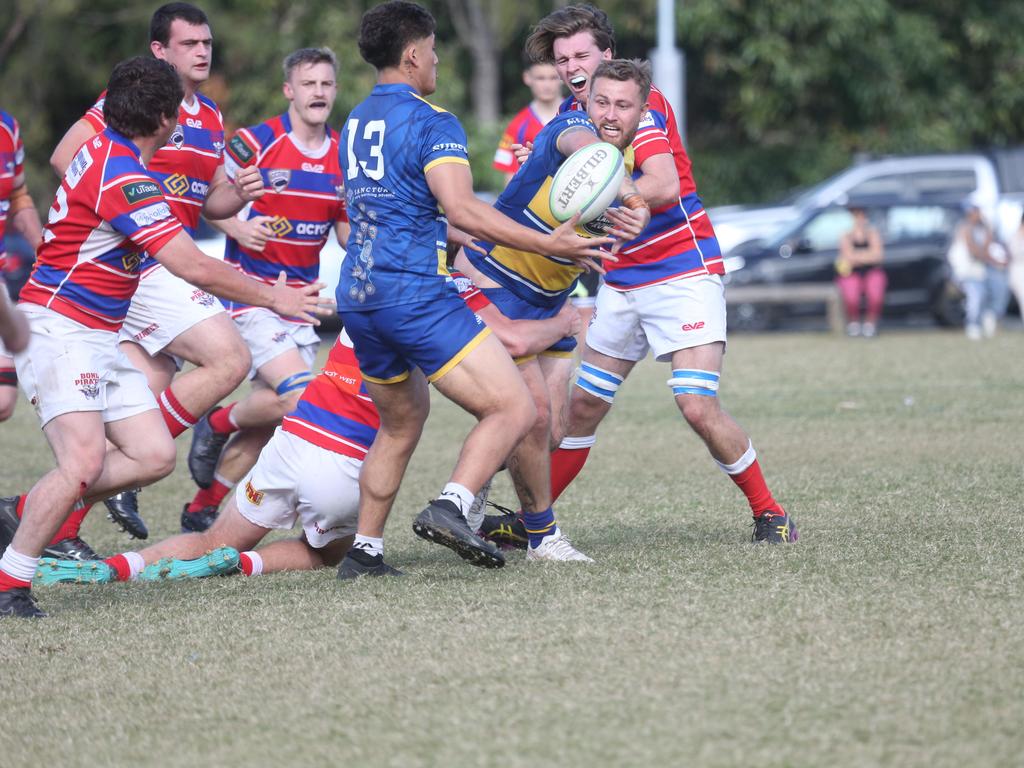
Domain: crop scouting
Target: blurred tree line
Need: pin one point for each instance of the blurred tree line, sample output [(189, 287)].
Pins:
[(780, 92)]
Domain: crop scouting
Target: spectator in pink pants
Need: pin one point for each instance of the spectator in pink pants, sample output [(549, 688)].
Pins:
[(859, 273)]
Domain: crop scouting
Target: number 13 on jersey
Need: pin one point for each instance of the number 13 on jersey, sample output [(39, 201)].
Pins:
[(369, 158)]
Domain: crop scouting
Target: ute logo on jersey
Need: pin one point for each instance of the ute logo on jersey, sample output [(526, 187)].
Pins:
[(279, 178), (255, 497), (137, 191), (280, 226), (177, 184)]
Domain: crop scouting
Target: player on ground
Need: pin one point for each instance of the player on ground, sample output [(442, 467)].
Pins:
[(664, 294), (309, 471), (16, 206), (546, 89), (108, 217), (284, 230), (530, 285), (170, 320), (404, 162)]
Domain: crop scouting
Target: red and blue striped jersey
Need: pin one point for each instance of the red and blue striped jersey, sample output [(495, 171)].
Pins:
[(107, 214), (12, 160), (303, 193), (186, 164), (335, 412), (524, 127), (680, 241)]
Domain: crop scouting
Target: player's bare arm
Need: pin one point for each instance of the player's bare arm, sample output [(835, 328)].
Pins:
[(342, 231), (77, 135), (528, 337), (452, 185), (659, 180), (251, 234), (181, 256), (22, 213), (227, 197)]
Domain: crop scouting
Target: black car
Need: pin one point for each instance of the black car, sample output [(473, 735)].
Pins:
[(916, 237)]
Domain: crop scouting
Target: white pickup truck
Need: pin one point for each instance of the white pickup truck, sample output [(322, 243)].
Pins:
[(993, 180)]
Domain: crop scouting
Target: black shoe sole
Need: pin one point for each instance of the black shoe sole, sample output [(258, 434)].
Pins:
[(133, 525), (467, 550)]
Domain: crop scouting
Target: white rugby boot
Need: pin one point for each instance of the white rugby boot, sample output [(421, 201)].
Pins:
[(556, 547)]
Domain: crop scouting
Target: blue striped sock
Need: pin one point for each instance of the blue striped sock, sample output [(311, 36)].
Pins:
[(538, 525)]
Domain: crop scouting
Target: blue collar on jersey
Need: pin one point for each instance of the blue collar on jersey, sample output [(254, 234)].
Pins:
[(120, 139), (382, 88)]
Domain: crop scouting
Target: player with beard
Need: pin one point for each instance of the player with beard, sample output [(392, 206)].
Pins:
[(665, 293), (171, 321), (531, 285)]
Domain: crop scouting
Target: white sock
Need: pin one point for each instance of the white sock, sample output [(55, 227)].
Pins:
[(460, 495), (223, 480), (135, 564), (369, 544), (257, 562), (18, 566)]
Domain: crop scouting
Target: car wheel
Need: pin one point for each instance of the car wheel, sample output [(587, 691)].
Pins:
[(948, 305)]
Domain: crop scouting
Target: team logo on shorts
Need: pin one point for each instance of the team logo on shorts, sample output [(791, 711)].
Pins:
[(279, 337), (279, 178), (202, 297), (146, 331), (693, 326), (280, 226), (177, 184), (255, 497), (89, 385), (178, 137)]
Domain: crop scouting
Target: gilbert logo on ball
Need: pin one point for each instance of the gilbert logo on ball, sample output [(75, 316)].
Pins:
[(587, 182)]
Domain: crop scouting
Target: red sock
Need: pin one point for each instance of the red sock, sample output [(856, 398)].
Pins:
[(122, 571), (9, 582), (176, 416), (21, 505), (72, 525), (566, 463), (245, 563), (209, 497), (752, 483), (220, 420)]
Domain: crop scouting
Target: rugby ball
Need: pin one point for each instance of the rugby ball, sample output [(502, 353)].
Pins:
[(587, 182)]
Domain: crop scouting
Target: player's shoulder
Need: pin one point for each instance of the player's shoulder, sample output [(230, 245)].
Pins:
[(9, 124), (208, 104)]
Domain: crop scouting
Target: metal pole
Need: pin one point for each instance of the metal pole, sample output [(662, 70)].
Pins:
[(669, 63)]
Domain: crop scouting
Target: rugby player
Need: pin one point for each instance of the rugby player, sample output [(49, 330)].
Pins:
[(169, 320), (531, 285), (404, 162), (546, 89), (665, 292), (108, 217), (16, 205), (297, 156)]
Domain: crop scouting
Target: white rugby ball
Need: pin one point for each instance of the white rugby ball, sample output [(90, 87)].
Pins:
[(587, 182)]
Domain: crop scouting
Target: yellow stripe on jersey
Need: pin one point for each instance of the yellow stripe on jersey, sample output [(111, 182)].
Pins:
[(442, 160), (442, 262), (432, 106)]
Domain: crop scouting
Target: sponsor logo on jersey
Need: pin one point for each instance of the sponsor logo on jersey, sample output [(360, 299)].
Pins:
[(448, 146), (280, 226), (151, 214), (177, 184), (693, 326), (255, 497), (191, 122), (315, 228), (79, 165), (88, 384), (313, 167), (177, 137), (239, 151), (137, 191), (131, 261), (279, 178)]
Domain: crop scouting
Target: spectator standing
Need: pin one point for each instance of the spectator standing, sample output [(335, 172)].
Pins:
[(1016, 268), (978, 263)]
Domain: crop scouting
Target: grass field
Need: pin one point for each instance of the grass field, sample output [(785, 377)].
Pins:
[(891, 634)]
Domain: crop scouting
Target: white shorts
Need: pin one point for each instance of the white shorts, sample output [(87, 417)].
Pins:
[(163, 308), (661, 318), (268, 336), (69, 368), (296, 480)]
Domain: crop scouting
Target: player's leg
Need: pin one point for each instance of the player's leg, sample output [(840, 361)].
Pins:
[(8, 384), (557, 371), (296, 555)]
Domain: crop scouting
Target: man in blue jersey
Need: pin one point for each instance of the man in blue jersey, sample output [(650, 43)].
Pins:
[(528, 285), (404, 161)]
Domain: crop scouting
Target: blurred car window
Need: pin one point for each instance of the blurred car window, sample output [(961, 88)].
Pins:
[(824, 230), (922, 185), (917, 222)]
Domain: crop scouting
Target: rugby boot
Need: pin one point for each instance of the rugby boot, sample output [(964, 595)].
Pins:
[(216, 562), (197, 522), (359, 563), (442, 523), (507, 529), (19, 603), (204, 453), (123, 510), (53, 571), (8, 520), (556, 548), (774, 526), (70, 549)]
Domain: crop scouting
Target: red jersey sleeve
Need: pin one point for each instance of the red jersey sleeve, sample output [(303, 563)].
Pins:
[(94, 115), (135, 207)]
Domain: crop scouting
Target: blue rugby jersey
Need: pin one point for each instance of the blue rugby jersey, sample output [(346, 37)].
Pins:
[(396, 251)]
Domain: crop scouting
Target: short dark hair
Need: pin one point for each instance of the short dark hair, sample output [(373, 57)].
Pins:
[(165, 15), (386, 30), (637, 70), (140, 92), (309, 56), (566, 22)]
